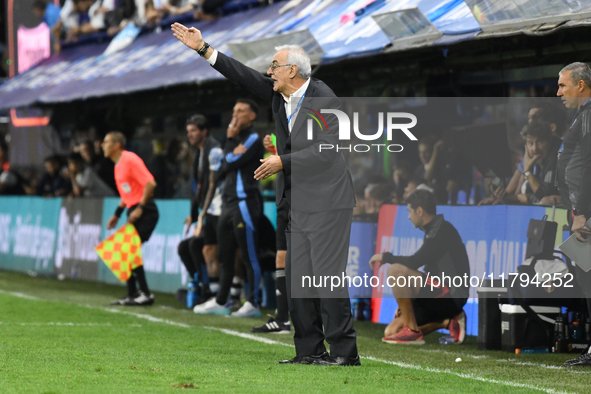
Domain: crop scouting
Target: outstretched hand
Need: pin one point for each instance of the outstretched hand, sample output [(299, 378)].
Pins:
[(271, 165), (191, 37)]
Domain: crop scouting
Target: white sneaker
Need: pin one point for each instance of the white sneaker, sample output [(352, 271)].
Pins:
[(247, 310), (211, 307)]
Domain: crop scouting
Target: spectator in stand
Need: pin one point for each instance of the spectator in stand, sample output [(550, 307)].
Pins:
[(125, 12), (53, 184), (555, 117), (83, 26), (85, 182), (376, 195), (458, 172), (10, 182), (401, 174), (156, 10), (102, 166), (539, 165), (49, 12), (67, 21), (432, 167), (202, 9), (360, 198), (100, 13), (411, 186)]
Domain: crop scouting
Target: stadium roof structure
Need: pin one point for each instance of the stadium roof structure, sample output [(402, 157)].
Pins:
[(332, 30)]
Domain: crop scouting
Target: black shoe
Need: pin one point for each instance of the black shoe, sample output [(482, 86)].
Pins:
[(583, 360), (305, 359), (273, 326), (125, 301), (345, 361), (143, 300)]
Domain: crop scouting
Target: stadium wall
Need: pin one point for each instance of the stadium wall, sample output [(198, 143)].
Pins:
[(55, 236)]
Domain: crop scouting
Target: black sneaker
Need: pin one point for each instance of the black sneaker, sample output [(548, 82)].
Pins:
[(273, 327), (583, 360), (128, 300), (143, 300)]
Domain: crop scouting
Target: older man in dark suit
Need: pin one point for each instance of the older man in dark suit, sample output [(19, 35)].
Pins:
[(318, 188)]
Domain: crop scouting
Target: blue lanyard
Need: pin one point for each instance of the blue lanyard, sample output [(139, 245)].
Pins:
[(297, 108)]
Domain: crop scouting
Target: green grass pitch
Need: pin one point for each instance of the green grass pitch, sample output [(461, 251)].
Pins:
[(62, 337)]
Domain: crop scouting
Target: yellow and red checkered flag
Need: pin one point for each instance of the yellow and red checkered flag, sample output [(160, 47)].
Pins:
[(122, 251)]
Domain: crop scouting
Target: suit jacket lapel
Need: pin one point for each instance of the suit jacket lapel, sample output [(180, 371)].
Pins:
[(279, 110), (300, 119)]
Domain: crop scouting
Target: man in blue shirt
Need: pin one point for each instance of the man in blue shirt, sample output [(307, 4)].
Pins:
[(48, 11)]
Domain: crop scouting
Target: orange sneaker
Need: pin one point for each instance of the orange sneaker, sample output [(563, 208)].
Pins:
[(406, 336), (457, 328)]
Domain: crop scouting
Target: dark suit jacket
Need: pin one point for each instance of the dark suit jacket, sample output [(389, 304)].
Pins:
[(312, 181)]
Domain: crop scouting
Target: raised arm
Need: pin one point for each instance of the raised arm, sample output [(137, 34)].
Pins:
[(235, 71)]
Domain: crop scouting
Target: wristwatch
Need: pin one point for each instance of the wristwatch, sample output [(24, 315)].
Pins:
[(526, 174), (203, 50)]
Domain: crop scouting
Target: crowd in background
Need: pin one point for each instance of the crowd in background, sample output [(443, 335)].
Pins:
[(437, 166), (445, 172), (77, 18)]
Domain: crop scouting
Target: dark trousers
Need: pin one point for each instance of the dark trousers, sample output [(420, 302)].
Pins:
[(238, 229), (318, 245), (584, 278), (145, 225), (191, 253)]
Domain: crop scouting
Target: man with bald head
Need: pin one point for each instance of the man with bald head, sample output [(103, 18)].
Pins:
[(319, 191), (136, 186), (574, 167)]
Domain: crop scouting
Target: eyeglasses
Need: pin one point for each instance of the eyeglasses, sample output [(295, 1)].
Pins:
[(273, 66)]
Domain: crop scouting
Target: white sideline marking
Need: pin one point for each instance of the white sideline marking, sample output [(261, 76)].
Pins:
[(248, 336), (402, 365), (466, 375), (503, 360), (66, 324), (20, 295), (399, 364), (147, 317)]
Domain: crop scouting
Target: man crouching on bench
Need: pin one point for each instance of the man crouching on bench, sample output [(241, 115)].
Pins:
[(426, 304)]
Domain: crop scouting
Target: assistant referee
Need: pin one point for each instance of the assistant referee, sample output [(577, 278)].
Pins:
[(136, 186)]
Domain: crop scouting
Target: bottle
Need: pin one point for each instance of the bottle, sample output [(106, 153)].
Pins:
[(576, 332), (191, 293), (354, 307), (446, 340), (559, 340)]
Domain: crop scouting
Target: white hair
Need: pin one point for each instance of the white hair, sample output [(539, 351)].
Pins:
[(297, 56)]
